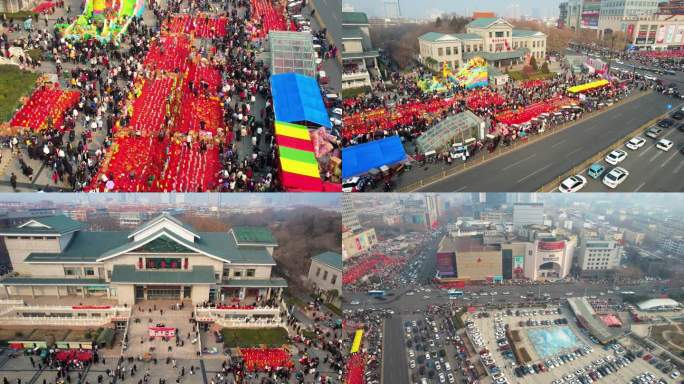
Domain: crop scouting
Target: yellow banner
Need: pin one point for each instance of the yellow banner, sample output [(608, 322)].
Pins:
[(356, 345), (588, 86), (300, 168), (292, 130)]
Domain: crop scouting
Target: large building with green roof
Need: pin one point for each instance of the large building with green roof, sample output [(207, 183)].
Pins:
[(358, 54), (163, 258), (493, 39)]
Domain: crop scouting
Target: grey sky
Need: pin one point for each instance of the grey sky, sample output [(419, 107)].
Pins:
[(265, 200), (429, 8)]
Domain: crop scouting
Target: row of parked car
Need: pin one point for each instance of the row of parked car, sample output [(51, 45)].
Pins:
[(596, 370), (662, 366), (534, 323)]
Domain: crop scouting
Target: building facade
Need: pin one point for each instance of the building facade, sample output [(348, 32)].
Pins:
[(615, 15), (160, 259), (325, 272), (655, 32), (358, 54), (596, 257), (493, 39), (525, 214)]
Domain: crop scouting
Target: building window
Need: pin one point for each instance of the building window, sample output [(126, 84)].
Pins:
[(448, 51), (333, 279), (251, 272), (490, 35), (237, 273), (440, 51), (455, 50), (109, 274), (216, 276), (508, 33), (500, 34), (325, 275), (89, 271), (318, 271), (226, 272), (72, 271), (490, 48), (467, 48)]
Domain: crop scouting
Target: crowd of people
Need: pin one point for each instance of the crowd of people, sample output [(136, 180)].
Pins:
[(511, 111), (241, 156)]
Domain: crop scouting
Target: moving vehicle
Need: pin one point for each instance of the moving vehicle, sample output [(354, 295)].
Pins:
[(376, 293), (459, 152), (454, 294), (635, 143), (573, 184), (615, 177)]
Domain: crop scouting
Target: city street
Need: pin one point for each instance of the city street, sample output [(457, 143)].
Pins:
[(533, 165)]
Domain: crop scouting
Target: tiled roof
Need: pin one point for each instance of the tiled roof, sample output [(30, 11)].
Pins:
[(331, 259), (56, 225), (352, 33), (21, 280), (524, 33), (253, 235), (493, 56), (250, 283), (197, 275), (84, 246), (483, 22)]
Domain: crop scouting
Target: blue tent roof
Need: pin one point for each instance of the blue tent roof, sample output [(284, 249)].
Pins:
[(297, 99), (358, 159)]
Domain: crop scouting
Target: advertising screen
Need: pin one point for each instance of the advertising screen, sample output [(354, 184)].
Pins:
[(551, 245), (445, 264), (518, 264)]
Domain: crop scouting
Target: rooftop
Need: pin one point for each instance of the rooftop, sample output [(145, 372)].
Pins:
[(330, 259), (526, 33), (55, 225), (354, 18), (658, 303), (129, 274), (466, 244), (483, 22), (254, 235), (438, 36)]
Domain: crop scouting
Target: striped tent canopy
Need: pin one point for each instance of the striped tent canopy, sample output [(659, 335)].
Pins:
[(298, 164)]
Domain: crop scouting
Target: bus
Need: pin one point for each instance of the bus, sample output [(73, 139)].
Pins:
[(628, 293), (376, 293), (454, 294)]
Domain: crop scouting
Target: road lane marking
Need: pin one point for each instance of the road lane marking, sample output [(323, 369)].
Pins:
[(679, 167), (655, 156), (559, 143), (640, 186), (668, 160), (573, 152), (519, 161), (533, 173), (462, 188), (644, 151)]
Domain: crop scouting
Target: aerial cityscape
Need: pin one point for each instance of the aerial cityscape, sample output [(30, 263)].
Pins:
[(513, 288), (156, 290), (171, 95), (496, 96)]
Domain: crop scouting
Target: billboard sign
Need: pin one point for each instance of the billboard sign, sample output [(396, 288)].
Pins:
[(660, 37), (670, 34), (679, 34), (445, 264), (590, 19), (551, 245), (518, 264)]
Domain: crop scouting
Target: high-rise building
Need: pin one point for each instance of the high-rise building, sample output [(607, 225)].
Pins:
[(528, 214), (597, 256), (433, 209), (350, 222), (392, 9)]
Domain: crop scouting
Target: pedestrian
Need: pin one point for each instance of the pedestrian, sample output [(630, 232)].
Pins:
[(13, 181)]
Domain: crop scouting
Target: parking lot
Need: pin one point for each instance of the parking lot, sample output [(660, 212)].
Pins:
[(585, 362), (648, 166)]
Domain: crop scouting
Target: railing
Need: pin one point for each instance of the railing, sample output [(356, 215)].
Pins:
[(251, 324), (211, 312), (59, 321), (11, 302), (500, 151)]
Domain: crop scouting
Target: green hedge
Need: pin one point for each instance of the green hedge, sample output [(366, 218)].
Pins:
[(21, 15), (353, 92), (14, 83), (334, 309), (248, 338), (518, 75)]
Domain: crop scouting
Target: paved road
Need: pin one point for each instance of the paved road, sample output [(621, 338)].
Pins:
[(394, 365), (649, 167), (536, 164)]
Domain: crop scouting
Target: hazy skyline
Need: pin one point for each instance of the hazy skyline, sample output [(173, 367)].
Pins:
[(433, 8), (248, 200)]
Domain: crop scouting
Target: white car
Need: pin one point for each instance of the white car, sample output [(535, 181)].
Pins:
[(452, 380), (635, 143), (442, 379), (427, 356), (412, 364), (573, 184), (354, 302), (410, 293), (664, 145), (615, 177), (616, 156)]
